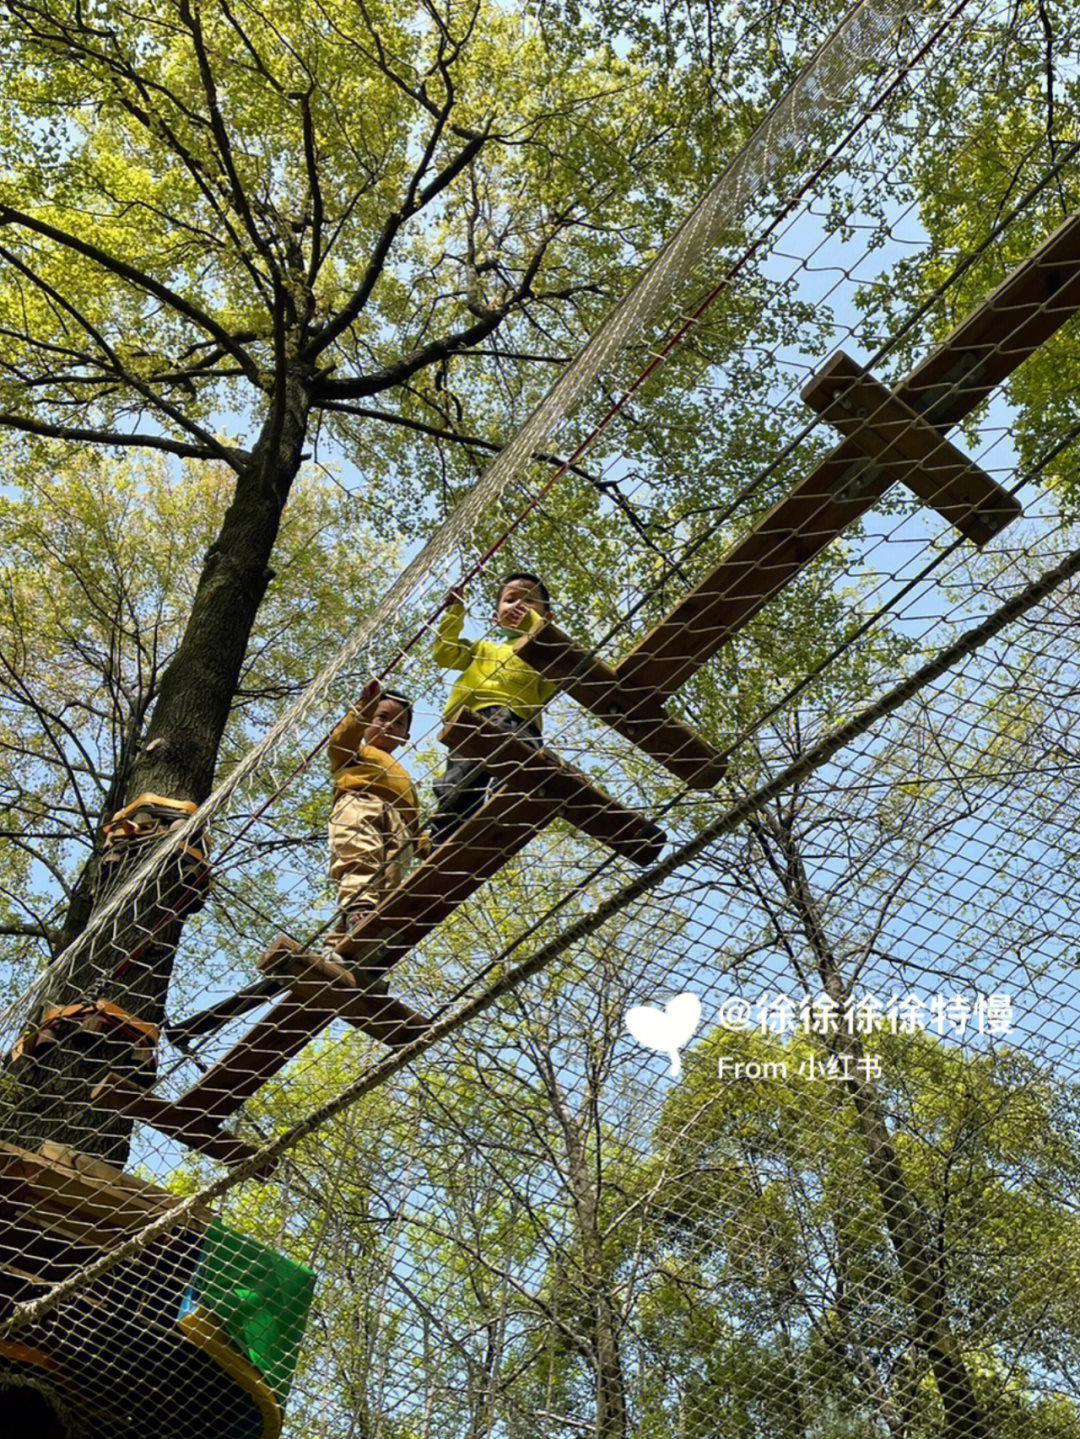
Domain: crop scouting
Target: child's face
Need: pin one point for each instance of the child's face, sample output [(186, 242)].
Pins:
[(389, 726), (516, 598)]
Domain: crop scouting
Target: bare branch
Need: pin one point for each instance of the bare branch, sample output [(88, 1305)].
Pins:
[(86, 435), (47, 932), (221, 139), (411, 206), (116, 266), (430, 354)]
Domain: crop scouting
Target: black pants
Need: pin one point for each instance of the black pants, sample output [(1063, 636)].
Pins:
[(460, 791)]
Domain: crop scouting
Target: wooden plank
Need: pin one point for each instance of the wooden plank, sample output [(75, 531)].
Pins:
[(1027, 309), (1022, 313), (516, 763), (910, 449), (69, 1184), (135, 1191), (188, 1123), (311, 978), (637, 714), (275, 1038), (758, 567), (54, 1254), (253, 996), (64, 1229), (391, 1021), (65, 1196), (453, 872)]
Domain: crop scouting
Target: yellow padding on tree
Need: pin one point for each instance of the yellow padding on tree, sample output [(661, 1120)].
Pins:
[(100, 1015), (148, 815)]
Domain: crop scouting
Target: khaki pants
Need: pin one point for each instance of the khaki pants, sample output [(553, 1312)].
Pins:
[(370, 849)]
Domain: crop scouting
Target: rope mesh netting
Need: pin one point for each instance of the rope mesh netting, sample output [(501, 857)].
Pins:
[(823, 1180)]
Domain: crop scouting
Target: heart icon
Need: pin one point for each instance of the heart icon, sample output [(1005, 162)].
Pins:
[(667, 1029)]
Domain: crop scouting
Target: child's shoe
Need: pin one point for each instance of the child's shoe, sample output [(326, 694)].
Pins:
[(341, 938)]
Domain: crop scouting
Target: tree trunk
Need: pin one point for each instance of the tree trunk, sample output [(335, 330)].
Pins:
[(611, 1417), (923, 1279), (130, 963)]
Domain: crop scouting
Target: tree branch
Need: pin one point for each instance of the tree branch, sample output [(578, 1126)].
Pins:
[(473, 441), (412, 205), (47, 932), (116, 266), (317, 212), (119, 371), (361, 386), (221, 138), (114, 437)]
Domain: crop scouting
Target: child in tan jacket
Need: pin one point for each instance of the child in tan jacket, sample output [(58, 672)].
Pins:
[(375, 821)]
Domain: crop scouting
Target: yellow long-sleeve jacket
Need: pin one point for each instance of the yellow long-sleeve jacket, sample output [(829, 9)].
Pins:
[(492, 674), (355, 765)]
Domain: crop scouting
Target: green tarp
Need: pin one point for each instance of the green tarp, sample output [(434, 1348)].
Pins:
[(260, 1297)]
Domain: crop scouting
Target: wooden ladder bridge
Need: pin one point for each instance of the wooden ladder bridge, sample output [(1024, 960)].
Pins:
[(889, 436)]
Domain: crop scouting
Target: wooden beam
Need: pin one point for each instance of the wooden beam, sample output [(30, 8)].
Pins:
[(1027, 309), (311, 978), (453, 872), (187, 1122), (252, 996), (518, 764), (1022, 313), (755, 569), (909, 449), (637, 714), (274, 1039)]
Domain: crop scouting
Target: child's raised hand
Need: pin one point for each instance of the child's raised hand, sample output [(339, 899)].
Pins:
[(369, 695), (515, 613), (455, 595)]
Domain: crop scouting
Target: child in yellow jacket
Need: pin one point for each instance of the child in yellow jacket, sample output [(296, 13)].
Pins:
[(493, 681), (375, 821)]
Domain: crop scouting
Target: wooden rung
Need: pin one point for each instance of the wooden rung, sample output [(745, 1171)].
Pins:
[(187, 1122), (453, 872), (625, 831), (311, 978), (1022, 313), (910, 449), (637, 714), (1027, 309), (274, 1039)]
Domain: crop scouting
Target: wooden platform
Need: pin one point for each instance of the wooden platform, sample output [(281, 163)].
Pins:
[(538, 771), (126, 1353), (637, 714), (1028, 308), (78, 1199)]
